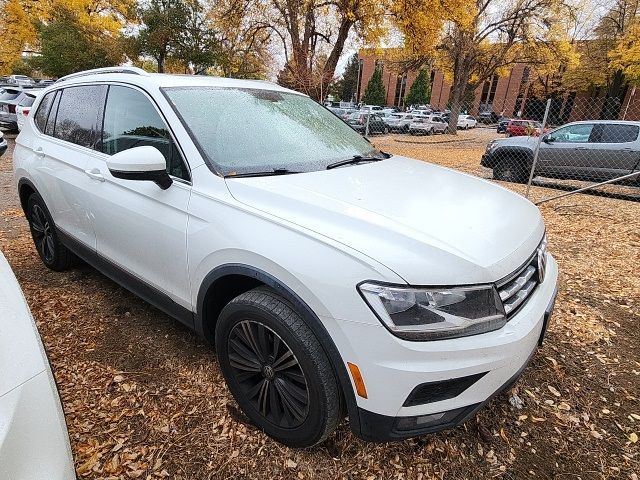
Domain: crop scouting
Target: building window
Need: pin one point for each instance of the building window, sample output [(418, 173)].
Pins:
[(401, 86)]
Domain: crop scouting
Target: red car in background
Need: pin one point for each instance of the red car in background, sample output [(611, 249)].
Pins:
[(519, 128)]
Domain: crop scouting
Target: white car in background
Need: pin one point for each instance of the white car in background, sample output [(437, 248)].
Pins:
[(466, 122), (399, 122), (428, 125), (24, 106), (34, 444)]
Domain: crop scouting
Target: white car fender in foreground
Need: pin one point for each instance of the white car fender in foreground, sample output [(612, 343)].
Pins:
[(34, 443)]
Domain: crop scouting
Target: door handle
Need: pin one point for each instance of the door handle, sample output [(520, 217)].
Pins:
[(95, 174), (39, 152), (580, 148)]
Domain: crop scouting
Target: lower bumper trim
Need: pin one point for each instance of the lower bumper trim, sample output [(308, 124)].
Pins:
[(382, 428)]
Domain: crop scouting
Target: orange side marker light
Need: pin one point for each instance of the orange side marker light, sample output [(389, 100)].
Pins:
[(358, 380)]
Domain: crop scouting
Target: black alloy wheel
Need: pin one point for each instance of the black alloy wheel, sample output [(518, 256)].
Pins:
[(42, 234), (276, 369), (52, 252), (269, 374)]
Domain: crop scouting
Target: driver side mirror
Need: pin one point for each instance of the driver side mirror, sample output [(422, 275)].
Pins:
[(140, 163), (547, 138)]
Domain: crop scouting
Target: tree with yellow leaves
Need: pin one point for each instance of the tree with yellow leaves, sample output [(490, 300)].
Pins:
[(99, 21), (471, 40), (625, 57)]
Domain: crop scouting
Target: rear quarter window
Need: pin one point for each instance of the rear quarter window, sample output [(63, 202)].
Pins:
[(40, 118), (619, 133)]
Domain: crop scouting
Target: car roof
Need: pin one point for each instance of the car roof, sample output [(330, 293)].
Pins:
[(143, 79)]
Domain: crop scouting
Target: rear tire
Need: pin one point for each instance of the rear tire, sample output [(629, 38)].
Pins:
[(52, 252), (277, 370)]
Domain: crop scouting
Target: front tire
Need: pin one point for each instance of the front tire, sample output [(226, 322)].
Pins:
[(276, 369), (52, 252)]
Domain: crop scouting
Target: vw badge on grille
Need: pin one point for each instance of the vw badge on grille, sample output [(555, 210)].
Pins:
[(542, 263)]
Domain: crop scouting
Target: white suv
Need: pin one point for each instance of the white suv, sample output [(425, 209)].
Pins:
[(332, 278)]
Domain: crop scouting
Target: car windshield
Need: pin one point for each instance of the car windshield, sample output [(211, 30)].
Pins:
[(245, 130)]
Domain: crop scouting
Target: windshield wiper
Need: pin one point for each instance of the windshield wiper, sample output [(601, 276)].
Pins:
[(357, 159), (266, 173)]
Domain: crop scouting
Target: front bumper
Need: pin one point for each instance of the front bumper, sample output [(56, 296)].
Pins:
[(493, 361), (488, 160)]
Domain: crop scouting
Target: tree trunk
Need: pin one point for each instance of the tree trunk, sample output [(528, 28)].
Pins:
[(160, 60)]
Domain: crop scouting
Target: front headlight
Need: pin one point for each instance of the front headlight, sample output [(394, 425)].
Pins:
[(435, 313), (491, 145)]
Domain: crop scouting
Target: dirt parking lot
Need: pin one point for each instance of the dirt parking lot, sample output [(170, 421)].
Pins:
[(144, 397)]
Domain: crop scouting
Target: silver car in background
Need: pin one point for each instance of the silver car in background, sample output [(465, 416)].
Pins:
[(399, 122), (428, 125), (593, 150)]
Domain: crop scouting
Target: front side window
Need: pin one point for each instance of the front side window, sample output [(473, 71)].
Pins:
[(40, 117), (241, 130), (578, 133), (130, 120), (79, 115)]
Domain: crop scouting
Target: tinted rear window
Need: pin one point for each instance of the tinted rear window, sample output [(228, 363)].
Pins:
[(613, 133), (10, 94), (79, 115), (27, 101)]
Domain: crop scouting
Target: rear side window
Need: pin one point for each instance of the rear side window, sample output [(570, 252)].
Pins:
[(617, 133), (80, 115), (10, 94), (131, 120), (43, 111), (27, 101)]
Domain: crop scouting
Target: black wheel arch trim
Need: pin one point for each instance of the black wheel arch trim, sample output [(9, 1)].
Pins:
[(21, 183), (309, 316)]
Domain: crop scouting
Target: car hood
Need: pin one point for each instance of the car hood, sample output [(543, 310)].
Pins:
[(429, 224), (519, 141)]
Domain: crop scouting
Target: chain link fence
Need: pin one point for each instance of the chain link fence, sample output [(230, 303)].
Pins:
[(568, 144)]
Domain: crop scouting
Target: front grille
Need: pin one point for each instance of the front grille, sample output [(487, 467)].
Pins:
[(517, 288)]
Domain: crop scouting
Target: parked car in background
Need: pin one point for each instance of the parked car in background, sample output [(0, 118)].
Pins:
[(518, 128), (466, 121), (9, 99), (389, 111), (363, 122), (596, 150), (23, 107), (399, 122), (3, 144), (371, 108), (45, 82), (427, 125), (502, 125), (34, 443), (341, 113), (365, 295), (21, 80), (488, 117)]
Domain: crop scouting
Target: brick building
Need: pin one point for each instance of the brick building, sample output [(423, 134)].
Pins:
[(506, 95)]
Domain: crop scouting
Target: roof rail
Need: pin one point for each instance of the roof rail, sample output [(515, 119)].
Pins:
[(97, 71)]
